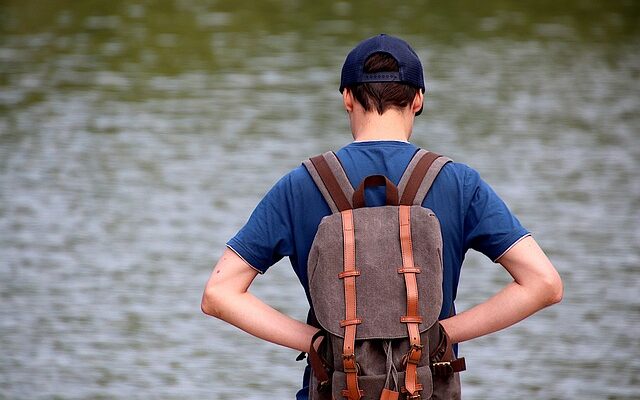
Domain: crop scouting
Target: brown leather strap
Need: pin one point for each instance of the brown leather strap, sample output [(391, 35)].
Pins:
[(416, 177), (351, 320), (331, 183), (347, 322), (344, 274), (429, 178), (446, 368), (317, 365), (412, 317), (409, 169), (419, 387), (443, 361), (388, 394), (320, 184), (375, 180)]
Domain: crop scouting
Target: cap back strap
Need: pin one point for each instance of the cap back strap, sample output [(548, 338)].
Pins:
[(332, 181), (419, 175)]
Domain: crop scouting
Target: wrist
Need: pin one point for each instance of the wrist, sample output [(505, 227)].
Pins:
[(449, 330)]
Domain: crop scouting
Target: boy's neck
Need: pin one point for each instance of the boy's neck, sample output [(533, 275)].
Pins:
[(392, 125)]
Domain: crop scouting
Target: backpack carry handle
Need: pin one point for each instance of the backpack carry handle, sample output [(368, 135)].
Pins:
[(376, 180)]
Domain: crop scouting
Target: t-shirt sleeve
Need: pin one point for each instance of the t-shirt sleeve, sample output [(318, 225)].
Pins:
[(489, 225), (267, 235)]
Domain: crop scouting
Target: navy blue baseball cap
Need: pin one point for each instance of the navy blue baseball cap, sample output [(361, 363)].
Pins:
[(409, 65)]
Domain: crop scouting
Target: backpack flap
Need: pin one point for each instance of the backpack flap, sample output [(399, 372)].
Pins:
[(381, 297)]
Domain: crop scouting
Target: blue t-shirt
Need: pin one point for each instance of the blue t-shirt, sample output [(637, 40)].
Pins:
[(471, 214)]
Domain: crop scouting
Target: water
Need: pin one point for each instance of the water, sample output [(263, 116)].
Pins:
[(135, 140)]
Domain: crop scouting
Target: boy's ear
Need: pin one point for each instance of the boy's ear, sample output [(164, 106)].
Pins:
[(347, 99), (418, 102)]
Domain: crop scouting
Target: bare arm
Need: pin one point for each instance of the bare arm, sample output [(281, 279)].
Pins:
[(536, 284), (226, 297)]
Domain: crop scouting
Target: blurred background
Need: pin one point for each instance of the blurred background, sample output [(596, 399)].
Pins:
[(137, 136)]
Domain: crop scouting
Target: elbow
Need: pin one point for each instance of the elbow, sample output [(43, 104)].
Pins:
[(558, 293), (210, 303), (554, 289)]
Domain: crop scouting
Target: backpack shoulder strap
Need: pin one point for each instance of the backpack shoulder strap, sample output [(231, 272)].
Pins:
[(417, 179), (329, 176)]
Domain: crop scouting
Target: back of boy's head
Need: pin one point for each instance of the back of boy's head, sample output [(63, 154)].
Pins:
[(383, 72), (382, 96)]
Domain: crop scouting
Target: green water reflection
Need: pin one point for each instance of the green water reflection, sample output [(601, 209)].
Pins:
[(172, 37)]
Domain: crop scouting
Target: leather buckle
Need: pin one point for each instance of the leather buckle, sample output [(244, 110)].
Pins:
[(416, 396), (350, 358), (354, 370), (442, 368), (415, 349)]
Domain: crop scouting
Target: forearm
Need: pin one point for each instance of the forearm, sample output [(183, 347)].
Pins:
[(512, 304), (536, 284), (226, 296), (250, 314)]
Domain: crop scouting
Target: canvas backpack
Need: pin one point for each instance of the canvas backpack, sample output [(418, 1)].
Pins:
[(375, 282)]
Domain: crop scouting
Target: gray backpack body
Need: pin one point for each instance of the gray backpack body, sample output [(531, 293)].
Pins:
[(375, 280)]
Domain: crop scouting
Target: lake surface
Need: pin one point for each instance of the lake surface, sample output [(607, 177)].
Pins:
[(136, 138)]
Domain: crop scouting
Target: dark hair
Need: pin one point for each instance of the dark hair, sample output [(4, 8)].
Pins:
[(383, 95)]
